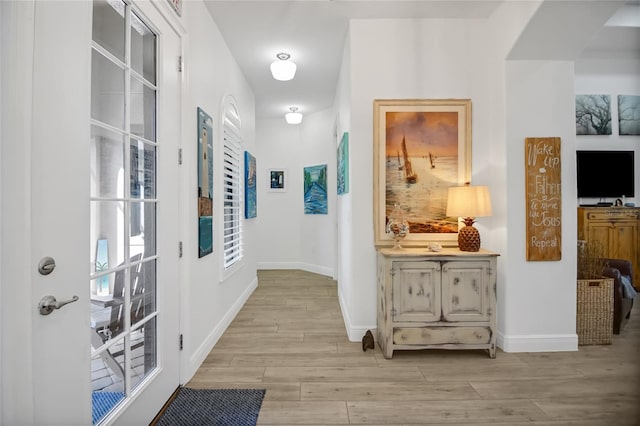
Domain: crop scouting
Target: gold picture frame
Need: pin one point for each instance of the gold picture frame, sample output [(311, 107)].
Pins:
[(421, 148)]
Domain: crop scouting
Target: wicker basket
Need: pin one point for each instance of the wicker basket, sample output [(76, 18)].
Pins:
[(594, 323)]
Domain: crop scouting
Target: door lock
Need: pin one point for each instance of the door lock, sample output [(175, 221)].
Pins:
[(46, 265)]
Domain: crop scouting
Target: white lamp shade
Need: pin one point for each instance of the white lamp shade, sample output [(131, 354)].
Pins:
[(469, 201), (293, 117), (283, 70)]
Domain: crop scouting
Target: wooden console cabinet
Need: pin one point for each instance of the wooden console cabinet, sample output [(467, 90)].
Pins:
[(443, 300), (617, 228)]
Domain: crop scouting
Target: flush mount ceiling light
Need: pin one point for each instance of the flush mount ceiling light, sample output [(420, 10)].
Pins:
[(293, 117), (283, 69)]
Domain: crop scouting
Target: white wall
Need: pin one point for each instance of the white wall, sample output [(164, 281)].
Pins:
[(541, 298), (610, 77), (344, 249), (288, 238), (318, 232), (396, 59), (209, 298), (504, 28)]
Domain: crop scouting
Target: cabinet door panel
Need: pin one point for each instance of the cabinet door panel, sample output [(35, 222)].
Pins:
[(465, 295), (603, 232), (416, 291), (626, 238)]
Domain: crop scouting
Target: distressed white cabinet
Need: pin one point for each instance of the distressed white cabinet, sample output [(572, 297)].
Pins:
[(443, 300)]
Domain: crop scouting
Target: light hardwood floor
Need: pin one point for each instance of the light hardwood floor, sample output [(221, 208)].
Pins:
[(290, 339)]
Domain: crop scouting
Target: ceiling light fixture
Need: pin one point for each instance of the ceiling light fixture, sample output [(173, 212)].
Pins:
[(293, 117), (283, 69)]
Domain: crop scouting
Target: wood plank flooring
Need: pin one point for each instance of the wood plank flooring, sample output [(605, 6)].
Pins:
[(290, 339)]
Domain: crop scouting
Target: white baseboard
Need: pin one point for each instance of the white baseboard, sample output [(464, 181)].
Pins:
[(538, 342), (354, 332), (316, 269), (201, 353)]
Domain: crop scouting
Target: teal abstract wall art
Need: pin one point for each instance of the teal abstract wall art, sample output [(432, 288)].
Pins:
[(343, 165), (250, 201), (315, 189)]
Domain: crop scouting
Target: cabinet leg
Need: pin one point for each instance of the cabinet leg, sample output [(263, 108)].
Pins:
[(492, 351), (387, 352)]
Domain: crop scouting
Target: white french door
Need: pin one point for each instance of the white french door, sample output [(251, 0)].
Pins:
[(104, 207)]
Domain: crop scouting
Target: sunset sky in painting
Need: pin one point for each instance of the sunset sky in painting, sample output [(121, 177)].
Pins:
[(435, 132)]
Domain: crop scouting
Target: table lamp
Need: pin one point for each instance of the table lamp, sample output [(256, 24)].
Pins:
[(468, 202)]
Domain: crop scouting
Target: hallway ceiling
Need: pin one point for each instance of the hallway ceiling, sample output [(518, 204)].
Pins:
[(313, 32)]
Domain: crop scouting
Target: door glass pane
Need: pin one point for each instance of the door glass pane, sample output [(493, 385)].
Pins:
[(107, 91), (143, 49), (107, 163), (107, 223), (143, 229), (108, 386), (143, 351), (143, 110), (143, 294), (107, 307), (108, 26), (143, 169)]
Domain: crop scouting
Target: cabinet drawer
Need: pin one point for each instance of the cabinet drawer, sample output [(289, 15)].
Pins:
[(613, 214), (441, 335)]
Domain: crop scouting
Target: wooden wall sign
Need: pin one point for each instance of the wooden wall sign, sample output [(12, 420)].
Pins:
[(544, 199)]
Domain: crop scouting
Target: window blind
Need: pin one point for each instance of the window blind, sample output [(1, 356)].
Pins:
[(232, 191)]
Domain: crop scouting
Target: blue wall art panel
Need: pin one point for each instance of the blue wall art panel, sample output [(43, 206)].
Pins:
[(205, 183), (250, 201), (343, 165), (315, 189)]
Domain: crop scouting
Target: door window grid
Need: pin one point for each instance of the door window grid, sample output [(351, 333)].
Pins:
[(134, 269)]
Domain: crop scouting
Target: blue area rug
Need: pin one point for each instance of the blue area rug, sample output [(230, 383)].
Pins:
[(103, 402), (214, 407)]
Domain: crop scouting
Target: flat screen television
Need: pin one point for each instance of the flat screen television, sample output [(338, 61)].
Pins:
[(605, 174)]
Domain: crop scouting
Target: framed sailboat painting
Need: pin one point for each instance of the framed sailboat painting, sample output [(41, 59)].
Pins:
[(421, 148)]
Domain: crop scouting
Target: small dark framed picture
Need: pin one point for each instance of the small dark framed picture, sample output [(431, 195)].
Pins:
[(277, 180)]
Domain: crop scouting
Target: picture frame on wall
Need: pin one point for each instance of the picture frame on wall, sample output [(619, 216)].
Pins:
[(593, 115), (343, 165), (277, 180), (421, 148), (205, 183), (315, 189), (250, 192), (628, 115)]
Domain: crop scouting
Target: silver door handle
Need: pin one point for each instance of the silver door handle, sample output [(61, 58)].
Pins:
[(49, 303)]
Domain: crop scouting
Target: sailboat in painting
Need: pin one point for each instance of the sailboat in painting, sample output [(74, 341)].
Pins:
[(409, 175)]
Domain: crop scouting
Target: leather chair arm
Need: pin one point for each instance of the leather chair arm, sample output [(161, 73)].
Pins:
[(622, 265)]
